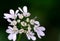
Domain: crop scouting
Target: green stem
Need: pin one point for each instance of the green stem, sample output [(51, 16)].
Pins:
[(19, 37)]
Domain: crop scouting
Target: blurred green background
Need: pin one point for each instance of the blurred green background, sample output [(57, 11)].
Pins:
[(47, 11)]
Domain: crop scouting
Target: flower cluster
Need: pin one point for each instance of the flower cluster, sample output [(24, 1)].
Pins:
[(21, 23)]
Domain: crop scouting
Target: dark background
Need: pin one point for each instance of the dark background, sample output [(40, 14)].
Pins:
[(47, 11)]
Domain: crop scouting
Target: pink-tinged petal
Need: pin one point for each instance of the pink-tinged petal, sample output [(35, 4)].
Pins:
[(25, 9), (7, 16), (14, 37), (41, 33), (33, 37), (42, 28), (11, 11), (10, 37)]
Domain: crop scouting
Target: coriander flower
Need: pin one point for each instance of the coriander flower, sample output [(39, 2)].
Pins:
[(36, 23), (39, 31), (29, 27), (12, 14), (22, 24), (24, 11), (18, 21), (27, 20), (12, 33), (14, 22), (30, 35), (20, 16), (21, 31), (32, 21)]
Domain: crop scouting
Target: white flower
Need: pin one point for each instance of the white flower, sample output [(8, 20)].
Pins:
[(29, 27), (39, 31), (18, 21), (21, 31), (37, 23), (30, 35), (23, 23), (12, 14), (32, 21), (14, 22), (12, 33), (27, 20), (20, 16), (24, 11)]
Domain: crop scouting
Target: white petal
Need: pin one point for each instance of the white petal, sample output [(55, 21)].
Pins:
[(14, 16), (41, 33), (14, 37), (28, 36), (10, 27), (35, 29), (11, 11), (25, 9), (7, 16), (8, 20), (16, 11), (10, 37), (20, 9), (39, 36), (9, 30), (31, 33), (42, 28), (33, 37)]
